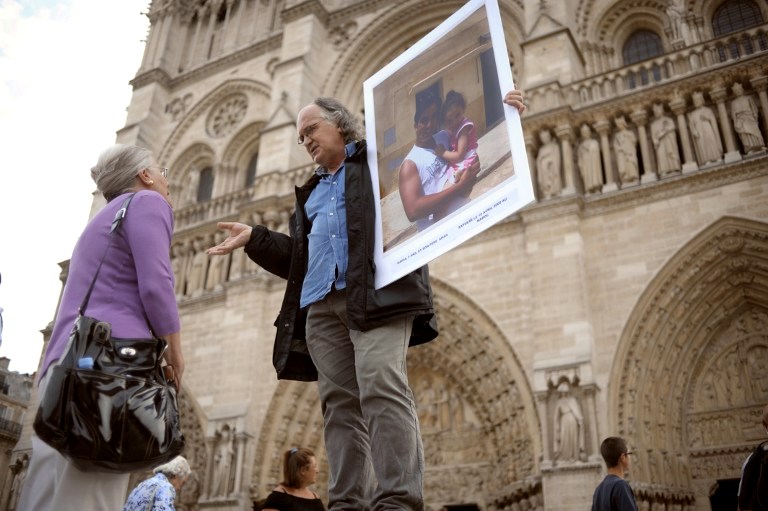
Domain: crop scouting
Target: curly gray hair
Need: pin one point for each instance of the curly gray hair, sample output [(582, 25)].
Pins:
[(177, 467), (336, 113)]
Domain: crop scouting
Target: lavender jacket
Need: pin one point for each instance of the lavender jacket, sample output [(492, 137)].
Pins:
[(134, 288)]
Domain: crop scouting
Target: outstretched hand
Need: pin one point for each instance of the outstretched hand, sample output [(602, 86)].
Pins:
[(239, 235)]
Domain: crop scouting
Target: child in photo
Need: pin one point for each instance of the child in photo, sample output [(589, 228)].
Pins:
[(463, 137)]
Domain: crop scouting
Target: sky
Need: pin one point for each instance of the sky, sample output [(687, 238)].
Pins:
[(64, 72)]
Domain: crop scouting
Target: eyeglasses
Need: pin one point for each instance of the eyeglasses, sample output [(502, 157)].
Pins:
[(628, 453), (163, 171), (308, 131)]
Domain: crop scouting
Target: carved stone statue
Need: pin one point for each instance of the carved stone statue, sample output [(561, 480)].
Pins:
[(705, 132), (663, 135), (744, 113), (222, 463), (677, 22), (18, 483), (548, 166), (217, 266), (197, 268), (625, 146), (569, 426), (179, 263), (190, 195), (589, 161)]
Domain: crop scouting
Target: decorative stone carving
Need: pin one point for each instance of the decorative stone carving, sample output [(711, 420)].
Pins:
[(178, 107), (625, 147), (340, 35), (227, 115), (191, 190), (568, 427), (197, 268), (589, 161), (705, 132), (548, 166), (179, 264), (663, 136), (217, 265), (744, 113), (223, 462), (18, 480)]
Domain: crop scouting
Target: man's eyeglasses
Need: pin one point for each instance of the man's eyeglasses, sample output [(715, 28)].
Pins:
[(308, 131), (628, 453)]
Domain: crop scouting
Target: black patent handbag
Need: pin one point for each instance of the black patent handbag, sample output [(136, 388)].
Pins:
[(107, 405)]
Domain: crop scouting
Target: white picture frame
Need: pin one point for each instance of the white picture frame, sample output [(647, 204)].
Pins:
[(462, 54)]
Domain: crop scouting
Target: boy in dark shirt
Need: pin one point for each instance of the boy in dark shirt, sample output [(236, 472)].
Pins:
[(614, 493)]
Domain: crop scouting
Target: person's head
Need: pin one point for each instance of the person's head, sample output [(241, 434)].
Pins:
[(427, 117), (698, 99), (614, 452), (658, 109), (586, 131), (738, 89), (127, 168), (453, 110), (325, 126), (299, 467), (177, 471)]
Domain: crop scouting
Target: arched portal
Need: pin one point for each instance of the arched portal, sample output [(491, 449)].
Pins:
[(476, 409), (690, 378)]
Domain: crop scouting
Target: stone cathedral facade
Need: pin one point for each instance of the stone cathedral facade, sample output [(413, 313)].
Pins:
[(630, 299)]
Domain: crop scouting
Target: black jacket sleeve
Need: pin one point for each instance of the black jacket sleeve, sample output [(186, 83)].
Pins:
[(271, 250)]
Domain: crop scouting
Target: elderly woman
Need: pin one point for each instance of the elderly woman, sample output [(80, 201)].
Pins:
[(133, 292), (159, 491), (293, 494)]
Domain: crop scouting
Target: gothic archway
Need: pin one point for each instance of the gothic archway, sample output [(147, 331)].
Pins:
[(689, 379), (478, 418)]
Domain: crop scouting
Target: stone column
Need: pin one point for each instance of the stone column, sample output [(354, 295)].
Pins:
[(640, 118), (759, 83), (541, 405), (155, 33), (195, 43), (209, 31), (603, 127), (731, 152), (163, 44), (146, 60), (240, 439), (529, 145), (677, 106), (564, 134), (210, 442), (236, 26)]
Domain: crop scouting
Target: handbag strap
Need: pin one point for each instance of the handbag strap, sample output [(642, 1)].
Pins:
[(115, 224)]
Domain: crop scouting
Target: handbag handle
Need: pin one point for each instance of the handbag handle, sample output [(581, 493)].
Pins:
[(115, 224)]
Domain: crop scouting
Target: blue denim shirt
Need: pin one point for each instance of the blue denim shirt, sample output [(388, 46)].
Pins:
[(328, 243)]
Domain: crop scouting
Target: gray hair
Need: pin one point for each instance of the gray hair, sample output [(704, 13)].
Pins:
[(338, 114), (115, 172), (178, 467)]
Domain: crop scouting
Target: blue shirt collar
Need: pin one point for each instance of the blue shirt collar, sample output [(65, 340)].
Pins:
[(349, 150)]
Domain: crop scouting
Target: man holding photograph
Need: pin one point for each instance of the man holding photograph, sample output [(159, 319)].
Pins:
[(357, 336)]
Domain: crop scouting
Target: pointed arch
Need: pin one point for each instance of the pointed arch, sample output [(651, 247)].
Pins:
[(478, 415), (239, 152), (184, 184), (686, 325), (395, 31)]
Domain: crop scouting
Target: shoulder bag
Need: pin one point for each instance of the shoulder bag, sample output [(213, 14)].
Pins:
[(108, 405)]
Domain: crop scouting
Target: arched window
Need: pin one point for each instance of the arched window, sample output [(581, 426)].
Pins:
[(735, 16), (250, 173), (641, 45), (205, 188)]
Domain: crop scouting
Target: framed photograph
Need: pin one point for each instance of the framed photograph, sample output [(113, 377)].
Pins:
[(447, 156)]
